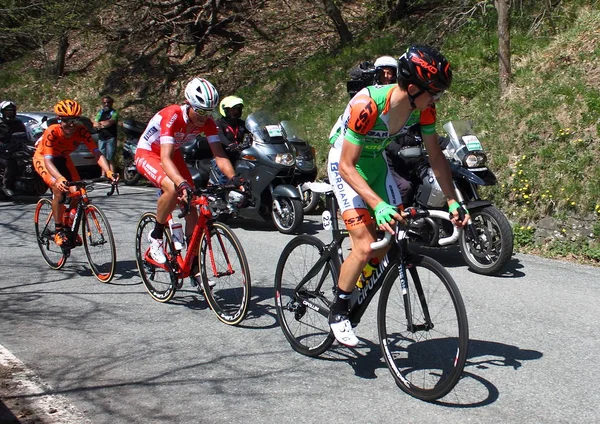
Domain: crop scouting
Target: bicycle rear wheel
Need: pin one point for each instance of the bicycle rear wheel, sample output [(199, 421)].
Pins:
[(426, 360), (99, 243), (43, 220), (223, 262), (160, 282), (305, 327)]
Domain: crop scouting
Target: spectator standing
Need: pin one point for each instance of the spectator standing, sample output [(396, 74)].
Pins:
[(9, 124), (106, 123)]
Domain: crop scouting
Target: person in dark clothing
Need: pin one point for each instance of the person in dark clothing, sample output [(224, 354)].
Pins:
[(232, 127), (9, 124)]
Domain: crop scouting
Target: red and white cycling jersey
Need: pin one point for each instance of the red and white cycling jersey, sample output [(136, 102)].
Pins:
[(172, 125)]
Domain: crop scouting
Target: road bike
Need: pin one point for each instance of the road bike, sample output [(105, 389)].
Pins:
[(218, 253), (95, 235), (421, 318)]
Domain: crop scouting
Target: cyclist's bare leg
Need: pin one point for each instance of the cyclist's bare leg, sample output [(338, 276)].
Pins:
[(361, 238), (167, 200)]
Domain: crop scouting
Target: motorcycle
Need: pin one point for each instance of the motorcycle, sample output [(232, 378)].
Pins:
[(133, 131), (27, 181), (306, 166), (486, 243), (267, 162)]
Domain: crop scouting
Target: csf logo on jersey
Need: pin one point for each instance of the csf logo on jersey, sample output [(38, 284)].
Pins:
[(179, 136), (172, 120)]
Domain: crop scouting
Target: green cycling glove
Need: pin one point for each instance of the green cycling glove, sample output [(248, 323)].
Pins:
[(384, 213)]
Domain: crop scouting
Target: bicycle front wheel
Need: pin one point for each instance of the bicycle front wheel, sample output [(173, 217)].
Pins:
[(160, 282), (43, 220), (99, 243), (423, 329), (225, 274), (303, 310)]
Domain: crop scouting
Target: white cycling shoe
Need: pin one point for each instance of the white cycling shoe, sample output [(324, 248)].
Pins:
[(156, 250), (197, 281), (342, 330)]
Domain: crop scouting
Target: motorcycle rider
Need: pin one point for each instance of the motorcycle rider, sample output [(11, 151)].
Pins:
[(232, 130), (386, 70), (9, 124), (159, 160), (52, 160), (359, 173)]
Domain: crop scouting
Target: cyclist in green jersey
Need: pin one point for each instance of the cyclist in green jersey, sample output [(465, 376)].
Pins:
[(358, 170)]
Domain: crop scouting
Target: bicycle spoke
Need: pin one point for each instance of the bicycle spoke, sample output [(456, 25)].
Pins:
[(305, 327)]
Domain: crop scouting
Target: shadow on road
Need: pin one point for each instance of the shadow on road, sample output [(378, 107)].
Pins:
[(450, 257)]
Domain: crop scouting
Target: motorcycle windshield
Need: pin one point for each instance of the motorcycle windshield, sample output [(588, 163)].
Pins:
[(463, 140), (292, 132), (265, 127)]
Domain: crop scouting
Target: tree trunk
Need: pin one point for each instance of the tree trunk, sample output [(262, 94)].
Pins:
[(61, 54), (397, 10), (503, 8), (335, 15)]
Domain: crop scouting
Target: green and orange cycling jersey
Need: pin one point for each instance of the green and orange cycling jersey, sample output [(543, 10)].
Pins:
[(366, 121)]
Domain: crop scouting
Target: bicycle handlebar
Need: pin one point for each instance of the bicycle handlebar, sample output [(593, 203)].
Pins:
[(408, 214), (214, 189)]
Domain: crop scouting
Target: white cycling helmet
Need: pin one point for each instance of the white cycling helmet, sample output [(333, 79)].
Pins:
[(385, 62), (201, 94)]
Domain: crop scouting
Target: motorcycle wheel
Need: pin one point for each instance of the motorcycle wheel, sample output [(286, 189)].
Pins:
[(130, 177), (291, 215), (310, 201), (494, 245)]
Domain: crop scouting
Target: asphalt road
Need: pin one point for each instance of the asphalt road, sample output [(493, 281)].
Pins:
[(108, 353)]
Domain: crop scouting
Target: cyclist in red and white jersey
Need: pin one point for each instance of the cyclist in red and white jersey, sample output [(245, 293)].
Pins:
[(159, 160)]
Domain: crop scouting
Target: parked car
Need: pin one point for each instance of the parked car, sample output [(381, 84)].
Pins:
[(82, 158)]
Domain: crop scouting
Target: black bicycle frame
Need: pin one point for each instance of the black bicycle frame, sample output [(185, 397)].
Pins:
[(361, 298)]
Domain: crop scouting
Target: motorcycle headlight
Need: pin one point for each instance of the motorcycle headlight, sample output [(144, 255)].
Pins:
[(286, 159), (475, 160), (305, 164)]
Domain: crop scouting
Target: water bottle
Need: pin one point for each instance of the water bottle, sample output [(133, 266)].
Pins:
[(326, 218), (177, 233), (72, 215), (367, 272), (69, 216)]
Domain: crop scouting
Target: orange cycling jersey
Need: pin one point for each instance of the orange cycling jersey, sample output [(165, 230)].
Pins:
[(54, 143)]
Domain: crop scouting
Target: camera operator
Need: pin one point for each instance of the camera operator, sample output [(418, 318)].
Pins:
[(384, 71), (9, 124)]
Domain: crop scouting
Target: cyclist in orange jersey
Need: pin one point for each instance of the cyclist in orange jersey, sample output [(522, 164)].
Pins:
[(52, 159)]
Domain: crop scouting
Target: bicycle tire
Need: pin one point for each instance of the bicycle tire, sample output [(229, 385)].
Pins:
[(229, 296), (305, 328), (43, 220), (99, 243), (161, 284), (426, 364)]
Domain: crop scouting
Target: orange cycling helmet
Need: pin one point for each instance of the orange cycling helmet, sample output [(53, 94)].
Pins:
[(67, 108)]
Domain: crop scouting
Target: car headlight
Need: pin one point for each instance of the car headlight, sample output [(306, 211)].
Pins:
[(475, 160), (286, 159)]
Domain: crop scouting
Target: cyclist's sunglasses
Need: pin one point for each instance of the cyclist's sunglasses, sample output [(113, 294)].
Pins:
[(202, 112), (70, 121), (435, 95)]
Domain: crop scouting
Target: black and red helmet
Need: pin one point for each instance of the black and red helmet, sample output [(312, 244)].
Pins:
[(425, 67)]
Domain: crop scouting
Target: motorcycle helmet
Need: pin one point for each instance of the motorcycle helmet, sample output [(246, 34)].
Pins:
[(430, 193), (201, 95), (67, 108), (7, 104), (385, 62), (229, 102), (425, 67)]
